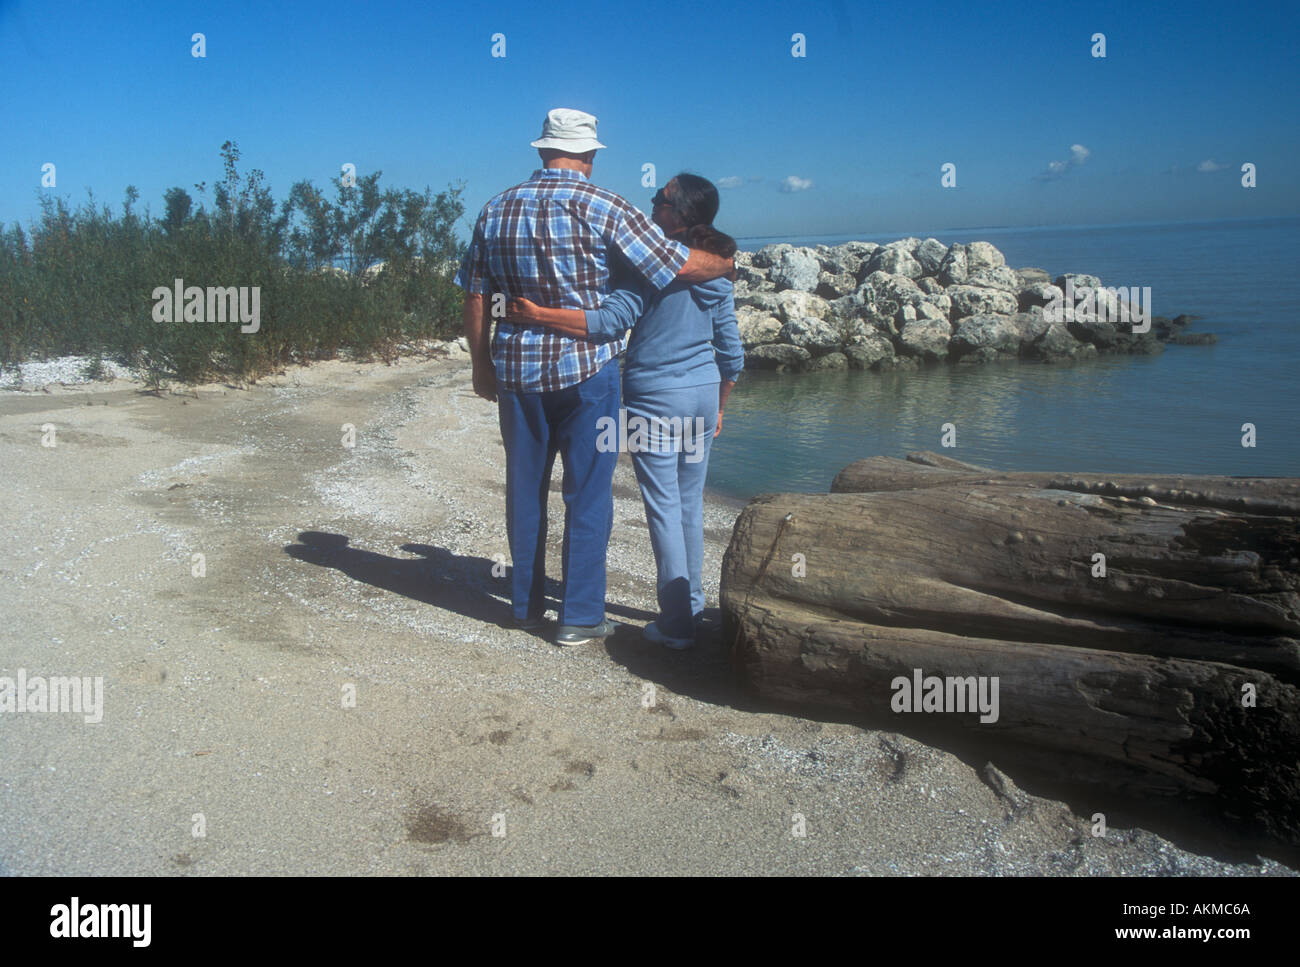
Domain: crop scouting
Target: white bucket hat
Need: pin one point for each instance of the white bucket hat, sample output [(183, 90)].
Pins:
[(568, 130)]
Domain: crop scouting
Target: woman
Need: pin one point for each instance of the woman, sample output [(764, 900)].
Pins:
[(682, 361)]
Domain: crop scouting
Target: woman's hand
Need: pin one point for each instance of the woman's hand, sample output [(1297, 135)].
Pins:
[(524, 309), (572, 322), (724, 390)]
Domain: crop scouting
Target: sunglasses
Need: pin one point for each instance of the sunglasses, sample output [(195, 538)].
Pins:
[(660, 199)]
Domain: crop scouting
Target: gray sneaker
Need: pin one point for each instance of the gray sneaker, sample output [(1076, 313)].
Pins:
[(580, 635)]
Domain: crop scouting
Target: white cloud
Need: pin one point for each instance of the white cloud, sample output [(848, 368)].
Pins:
[(1055, 169), (1209, 164), (731, 181), (795, 183)]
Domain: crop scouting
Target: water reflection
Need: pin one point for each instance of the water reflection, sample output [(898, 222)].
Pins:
[(1116, 414)]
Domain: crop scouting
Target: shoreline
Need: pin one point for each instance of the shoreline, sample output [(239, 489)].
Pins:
[(433, 350), (69, 365)]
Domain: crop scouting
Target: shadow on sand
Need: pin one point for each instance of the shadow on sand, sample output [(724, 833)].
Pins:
[(465, 585)]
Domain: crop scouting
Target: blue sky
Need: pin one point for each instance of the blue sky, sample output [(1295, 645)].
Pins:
[(887, 93)]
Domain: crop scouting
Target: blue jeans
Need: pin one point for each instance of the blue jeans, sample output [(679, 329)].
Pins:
[(672, 486), (535, 427)]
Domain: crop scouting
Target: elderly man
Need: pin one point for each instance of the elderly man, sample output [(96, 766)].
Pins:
[(555, 239)]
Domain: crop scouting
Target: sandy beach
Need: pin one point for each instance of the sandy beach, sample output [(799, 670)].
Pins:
[(334, 571)]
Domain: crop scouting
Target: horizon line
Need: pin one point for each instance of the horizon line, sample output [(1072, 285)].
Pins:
[(1008, 228)]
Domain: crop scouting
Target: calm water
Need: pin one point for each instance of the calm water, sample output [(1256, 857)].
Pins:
[(1181, 411)]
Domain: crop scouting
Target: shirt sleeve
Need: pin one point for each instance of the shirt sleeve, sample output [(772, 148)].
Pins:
[(473, 274), (619, 310), (647, 248), (617, 314), (727, 347)]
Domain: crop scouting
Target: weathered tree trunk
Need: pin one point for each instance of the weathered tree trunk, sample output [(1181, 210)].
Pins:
[(1140, 675)]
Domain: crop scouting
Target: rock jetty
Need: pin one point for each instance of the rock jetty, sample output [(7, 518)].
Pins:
[(916, 301)]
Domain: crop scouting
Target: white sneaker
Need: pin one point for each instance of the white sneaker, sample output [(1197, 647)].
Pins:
[(652, 633)]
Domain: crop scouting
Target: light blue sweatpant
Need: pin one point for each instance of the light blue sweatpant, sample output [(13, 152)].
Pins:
[(671, 476)]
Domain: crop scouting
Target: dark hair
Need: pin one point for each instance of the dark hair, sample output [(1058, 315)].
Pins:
[(696, 202)]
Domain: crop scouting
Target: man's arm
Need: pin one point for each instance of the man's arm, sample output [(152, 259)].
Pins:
[(658, 258), (473, 278), (478, 332), (701, 266)]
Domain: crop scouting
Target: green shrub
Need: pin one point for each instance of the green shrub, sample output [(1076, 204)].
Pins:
[(81, 281)]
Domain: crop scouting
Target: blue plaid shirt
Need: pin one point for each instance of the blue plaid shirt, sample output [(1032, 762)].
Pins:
[(555, 240)]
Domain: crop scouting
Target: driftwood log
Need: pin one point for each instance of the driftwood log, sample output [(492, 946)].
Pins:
[(1144, 631)]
